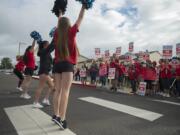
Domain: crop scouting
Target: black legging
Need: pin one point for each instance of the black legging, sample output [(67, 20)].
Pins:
[(20, 76)]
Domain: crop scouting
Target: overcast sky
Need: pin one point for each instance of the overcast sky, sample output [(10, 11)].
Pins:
[(109, 24)]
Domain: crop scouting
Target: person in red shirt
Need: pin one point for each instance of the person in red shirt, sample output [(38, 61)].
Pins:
[(165, 77), (114, 64), (132, 77), (121, 70), (66, 54), (29, 61), (18, 71), (103, 73), (178, 79)]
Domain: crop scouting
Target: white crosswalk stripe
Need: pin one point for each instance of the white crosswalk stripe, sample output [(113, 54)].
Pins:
[(140, 113), (30, 121), (167, 102)]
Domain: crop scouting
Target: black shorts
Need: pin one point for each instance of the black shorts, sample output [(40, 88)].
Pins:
[(53, 69), (63, 66), (44, 71), (18, 74), (29, 71)]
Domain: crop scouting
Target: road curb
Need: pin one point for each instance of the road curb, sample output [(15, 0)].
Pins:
[(74, 83)]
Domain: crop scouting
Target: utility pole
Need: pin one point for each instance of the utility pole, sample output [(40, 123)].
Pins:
[(19, 50)]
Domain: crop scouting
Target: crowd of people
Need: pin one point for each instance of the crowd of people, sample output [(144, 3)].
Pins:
[(162, 78)]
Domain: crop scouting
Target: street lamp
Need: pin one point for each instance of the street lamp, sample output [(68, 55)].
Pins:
[(20, 43)]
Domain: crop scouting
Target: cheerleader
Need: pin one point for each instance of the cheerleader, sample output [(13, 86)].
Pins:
[(29, 61), (66, 54), (46, 61), (18, 71)]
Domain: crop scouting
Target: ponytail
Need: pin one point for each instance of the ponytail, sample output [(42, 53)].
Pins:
[(25, 58)]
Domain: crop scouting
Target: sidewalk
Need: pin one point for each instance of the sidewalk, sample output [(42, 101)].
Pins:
[(124, 90)]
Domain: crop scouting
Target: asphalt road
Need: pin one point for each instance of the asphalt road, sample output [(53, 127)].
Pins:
[(90, 119)]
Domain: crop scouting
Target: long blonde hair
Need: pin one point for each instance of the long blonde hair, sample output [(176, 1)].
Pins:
[(62, 42)]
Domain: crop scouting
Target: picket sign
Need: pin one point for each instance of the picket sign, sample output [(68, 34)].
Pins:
[(142, 89), (83, 73), (131, 46), (178, 49), (107, 54), (103, 70), (97, 52), (111, 73), (167, 51), (118, 51)]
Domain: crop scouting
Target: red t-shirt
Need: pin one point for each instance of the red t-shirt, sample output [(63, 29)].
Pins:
[(178, 71), (20, 66), (132, 74), (71, 45), (121, 69), (114, 65), (165, 72), (31, 60), (142, 72)]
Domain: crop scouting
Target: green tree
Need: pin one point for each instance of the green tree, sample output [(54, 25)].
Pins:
[(6, 63)]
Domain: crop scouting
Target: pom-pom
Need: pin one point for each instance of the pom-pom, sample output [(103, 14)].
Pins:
[(59, 5), (87, 3), (51, 33), (36, 36)]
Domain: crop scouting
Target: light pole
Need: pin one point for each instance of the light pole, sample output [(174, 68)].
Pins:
[(19, 50)]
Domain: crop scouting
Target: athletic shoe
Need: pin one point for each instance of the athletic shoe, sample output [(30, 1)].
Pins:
[(19, 88), (64, 124), (59, 122), (37, 105), (27, 96), (54, 118), (46, 102), (22, 96)]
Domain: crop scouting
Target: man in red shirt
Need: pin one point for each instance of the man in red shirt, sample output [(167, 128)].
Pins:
[(121, 70), (132, 77), (178, 79), (165, 77), (114, 64)]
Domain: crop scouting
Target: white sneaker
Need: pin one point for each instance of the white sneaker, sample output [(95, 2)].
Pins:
[(37, 105), (46, 102), (19, 88), (27, 96), (161, 93), (22, 96), (167, 95)]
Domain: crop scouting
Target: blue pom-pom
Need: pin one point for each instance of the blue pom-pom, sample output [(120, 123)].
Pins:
[(87, 3), (36, 36), (51, 33)]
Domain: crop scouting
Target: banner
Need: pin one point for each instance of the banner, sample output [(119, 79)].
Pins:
[(178, 49), (167, 51), (107, 54), (83, 73), (111, 73), (103, 70), (118, 51), (131, 46), (97, 52), (142, 88)]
